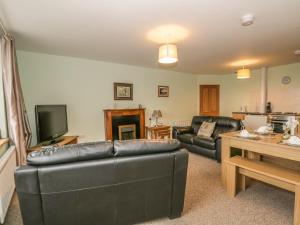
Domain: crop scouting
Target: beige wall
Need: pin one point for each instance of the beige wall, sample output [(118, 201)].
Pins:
[(235, 93), (86, 86), (285, 98)]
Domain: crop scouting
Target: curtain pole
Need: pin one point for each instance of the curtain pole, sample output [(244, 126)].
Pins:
[(3, 28)]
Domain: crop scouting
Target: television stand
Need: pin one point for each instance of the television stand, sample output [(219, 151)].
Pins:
[(65, 140), (54, 141)]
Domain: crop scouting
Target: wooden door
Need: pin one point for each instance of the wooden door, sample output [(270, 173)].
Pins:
[(209, 100)]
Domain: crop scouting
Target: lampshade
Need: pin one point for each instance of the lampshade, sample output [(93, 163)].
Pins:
[(243, 73), (156, 114), (167, 54)]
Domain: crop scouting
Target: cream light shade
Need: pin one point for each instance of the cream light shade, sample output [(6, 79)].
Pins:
[(243, 73), (156, 114), (167, 54)]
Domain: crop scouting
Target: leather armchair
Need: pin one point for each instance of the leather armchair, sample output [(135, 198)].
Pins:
[(124, 182), (210, 147)]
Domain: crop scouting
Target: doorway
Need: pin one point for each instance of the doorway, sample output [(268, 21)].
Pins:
[(209, 100)]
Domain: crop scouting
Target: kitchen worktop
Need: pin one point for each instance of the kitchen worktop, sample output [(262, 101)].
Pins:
[(267, 114)]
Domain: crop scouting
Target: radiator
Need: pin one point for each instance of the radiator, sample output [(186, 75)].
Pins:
[(7, 183), (183, 123)]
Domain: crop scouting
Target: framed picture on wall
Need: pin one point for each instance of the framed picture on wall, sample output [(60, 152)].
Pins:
[(123, 91), (163, 91)]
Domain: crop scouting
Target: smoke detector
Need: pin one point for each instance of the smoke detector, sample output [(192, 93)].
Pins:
[(247, 20), (297, 52)]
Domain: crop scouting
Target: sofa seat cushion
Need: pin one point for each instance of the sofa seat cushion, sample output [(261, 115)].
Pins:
[(205, 142), (71, 153), (186, 138), (143, 146)]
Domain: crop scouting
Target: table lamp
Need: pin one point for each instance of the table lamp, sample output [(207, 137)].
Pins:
[(156, 114)]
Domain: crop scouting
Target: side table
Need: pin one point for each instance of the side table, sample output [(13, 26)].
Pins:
[(159, 132)]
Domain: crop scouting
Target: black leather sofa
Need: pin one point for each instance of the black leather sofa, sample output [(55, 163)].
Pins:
[(208, 146), (103, 183)]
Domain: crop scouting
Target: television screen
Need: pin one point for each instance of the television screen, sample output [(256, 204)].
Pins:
[(51, 122)]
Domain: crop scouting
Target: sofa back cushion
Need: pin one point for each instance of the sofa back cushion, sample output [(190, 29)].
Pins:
[(198, 120), (226, 121), (225, 124), (71, 153), (142, 146)]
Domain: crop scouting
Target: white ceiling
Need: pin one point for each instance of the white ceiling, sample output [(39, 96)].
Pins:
[(116, 30)]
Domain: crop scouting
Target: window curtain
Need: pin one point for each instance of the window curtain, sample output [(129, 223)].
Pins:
[(18, 124)]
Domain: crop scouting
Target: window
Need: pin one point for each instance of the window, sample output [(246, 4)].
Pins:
[(3, 120)]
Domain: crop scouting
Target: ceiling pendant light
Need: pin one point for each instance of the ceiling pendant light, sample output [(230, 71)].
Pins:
[(167, 54), (243, 73)]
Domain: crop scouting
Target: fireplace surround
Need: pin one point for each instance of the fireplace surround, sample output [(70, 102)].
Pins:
[(131, 121)]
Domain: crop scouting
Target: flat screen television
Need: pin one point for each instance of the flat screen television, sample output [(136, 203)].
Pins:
[(51, 122)]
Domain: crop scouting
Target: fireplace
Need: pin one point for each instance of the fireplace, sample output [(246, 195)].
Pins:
[(124, 124), (125, 127), (127, 132)]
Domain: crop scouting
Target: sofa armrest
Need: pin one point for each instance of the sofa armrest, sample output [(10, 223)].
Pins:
[(179, 183), (28, 190), (182, 130)]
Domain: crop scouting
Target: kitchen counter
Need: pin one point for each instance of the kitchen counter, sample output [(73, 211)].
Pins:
[(254, 120), (242, 115), (273, 113)]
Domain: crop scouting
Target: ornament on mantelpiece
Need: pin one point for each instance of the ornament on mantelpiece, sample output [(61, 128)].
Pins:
[(115, 105)]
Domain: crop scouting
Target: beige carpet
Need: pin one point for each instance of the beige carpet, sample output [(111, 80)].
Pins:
[(206, 202)]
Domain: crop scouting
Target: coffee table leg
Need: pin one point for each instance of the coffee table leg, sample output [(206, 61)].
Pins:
[(246, 181), (231, 180), (297, 206), (225, 155)]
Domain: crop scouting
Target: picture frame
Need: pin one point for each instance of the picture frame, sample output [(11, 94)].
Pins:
[(163, 91), (123, 91)]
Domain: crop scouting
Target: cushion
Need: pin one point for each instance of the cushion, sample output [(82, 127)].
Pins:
[(143, 146), (198, 120), (71, 153), (205, 142), (206, 129), (186, 138)]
